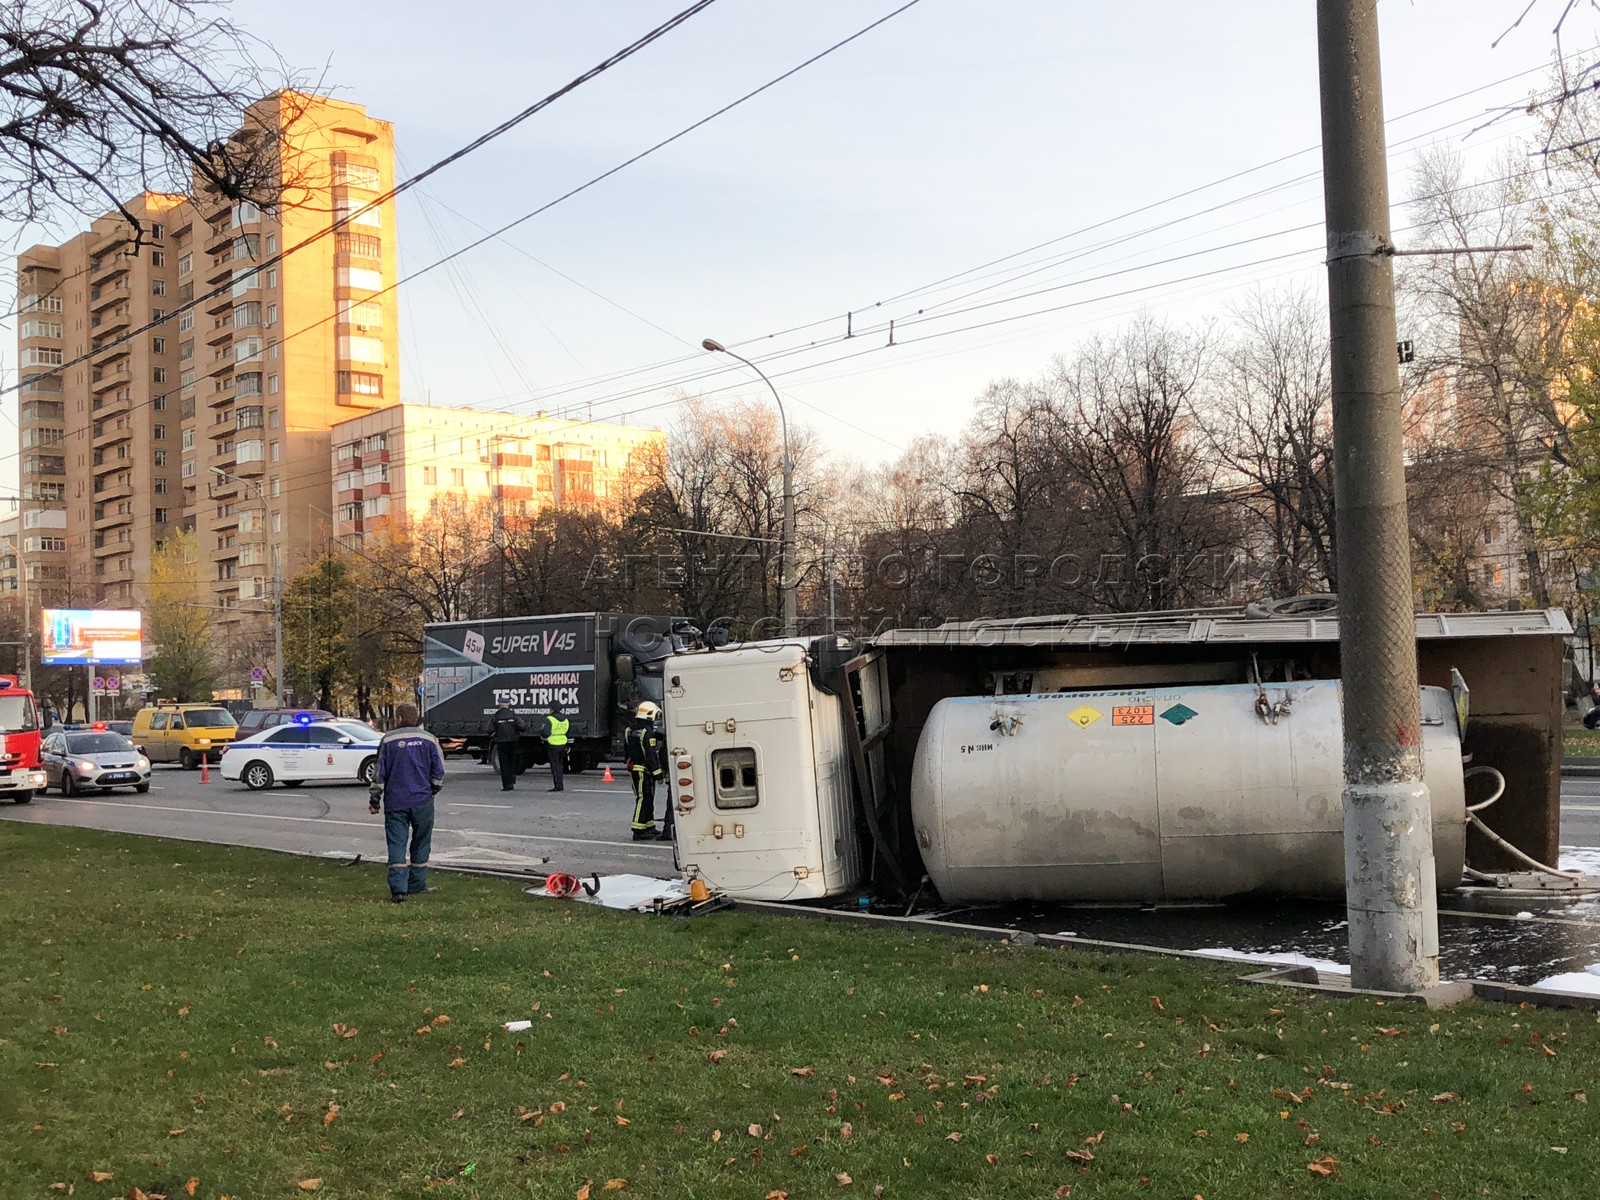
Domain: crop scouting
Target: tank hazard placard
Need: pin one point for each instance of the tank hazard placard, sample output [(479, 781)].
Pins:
[(1133, 714)]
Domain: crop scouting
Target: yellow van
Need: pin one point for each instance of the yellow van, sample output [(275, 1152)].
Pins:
[(183, 733)]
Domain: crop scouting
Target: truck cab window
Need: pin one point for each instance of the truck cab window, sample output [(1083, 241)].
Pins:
[(735, 773)]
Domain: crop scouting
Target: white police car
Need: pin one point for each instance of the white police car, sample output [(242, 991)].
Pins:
[(306, 749)]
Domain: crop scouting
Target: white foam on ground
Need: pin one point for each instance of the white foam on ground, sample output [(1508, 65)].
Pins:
[(1580, 858), (1585, 982), (1287, 958), (627, 891)]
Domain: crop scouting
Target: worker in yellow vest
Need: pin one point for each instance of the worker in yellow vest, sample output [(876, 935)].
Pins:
[(555, 740)]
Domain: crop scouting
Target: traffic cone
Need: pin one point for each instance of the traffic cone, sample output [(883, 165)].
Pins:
[(205, 768), (609, 777)]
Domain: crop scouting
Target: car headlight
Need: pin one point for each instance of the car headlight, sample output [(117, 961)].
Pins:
[(86, 767), (202, 741), (36, 778), (144, 763)]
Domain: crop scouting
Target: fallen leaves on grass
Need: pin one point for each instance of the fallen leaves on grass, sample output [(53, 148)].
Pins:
[(457, 1062), (843, 1179), (1445, 1097), (332, 1115), (802, 1072), (1094, 1139), (1062, 1192), (191, 1187), (1083, 1156), (342, 1030), (559, 1106), (716, 1056), (616, 1185), (1323, 1166), (583, 1192), (755, 1131), (309, 1185), (98, 1177)]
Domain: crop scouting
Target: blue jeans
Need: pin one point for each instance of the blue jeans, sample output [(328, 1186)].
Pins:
[(410, 837)]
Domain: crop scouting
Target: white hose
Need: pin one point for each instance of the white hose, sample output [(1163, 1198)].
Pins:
[(1472, 815), (1498, 792)]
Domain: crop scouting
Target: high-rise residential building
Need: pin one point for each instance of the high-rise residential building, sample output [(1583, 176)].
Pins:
[(218, 347), (400, 461)]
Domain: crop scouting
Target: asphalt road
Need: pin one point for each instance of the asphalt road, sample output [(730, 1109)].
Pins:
[(583, 829)]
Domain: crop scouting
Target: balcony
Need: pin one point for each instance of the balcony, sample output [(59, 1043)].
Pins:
[(111, 267), (221, 332), (223, 487), (220, 236), (230, 521), (124, 575), (111, 548), (110, 489), (255, 466), (110, 437), (119, 236), (108, 323), (110, 519), (101, 298), (98, 358), (218, 399), (380, 488), (221, 302), (110, 405), (512, 491), (251, 417), (104, 381)]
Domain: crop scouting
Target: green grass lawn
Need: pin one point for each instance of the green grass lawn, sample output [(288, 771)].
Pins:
[(199, 1020), (1578, 742)]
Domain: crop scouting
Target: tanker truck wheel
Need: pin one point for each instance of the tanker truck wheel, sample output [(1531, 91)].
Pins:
[(21, 797), (578, 763)]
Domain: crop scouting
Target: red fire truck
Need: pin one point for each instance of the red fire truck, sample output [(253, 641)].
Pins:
[(20, 773)]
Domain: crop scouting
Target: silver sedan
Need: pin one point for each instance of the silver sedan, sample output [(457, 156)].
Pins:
[(90, 760)]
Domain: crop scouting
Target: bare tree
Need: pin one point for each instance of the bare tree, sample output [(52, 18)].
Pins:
[(1269, 426), (1127, 434), (99, 100)]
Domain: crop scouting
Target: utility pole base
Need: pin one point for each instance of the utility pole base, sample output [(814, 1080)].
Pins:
[(1391, 896)]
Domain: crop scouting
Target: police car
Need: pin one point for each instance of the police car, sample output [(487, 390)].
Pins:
[(304, 749)]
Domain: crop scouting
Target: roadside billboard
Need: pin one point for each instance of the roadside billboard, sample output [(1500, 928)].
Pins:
[(78, 636)]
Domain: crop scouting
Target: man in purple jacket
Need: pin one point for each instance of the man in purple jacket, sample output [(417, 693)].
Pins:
[(410, 773)]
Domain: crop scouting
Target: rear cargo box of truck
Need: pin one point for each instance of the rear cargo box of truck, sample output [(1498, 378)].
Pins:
[(594, 665)]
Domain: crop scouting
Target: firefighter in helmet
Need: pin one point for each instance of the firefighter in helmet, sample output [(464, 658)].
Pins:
[(645, 748)]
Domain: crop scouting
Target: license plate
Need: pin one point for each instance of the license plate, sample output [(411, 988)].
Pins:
[(119, 777)]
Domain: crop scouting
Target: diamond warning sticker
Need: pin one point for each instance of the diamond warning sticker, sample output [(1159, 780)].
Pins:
[(1134, 714), (1084, 716), (1179, 713)]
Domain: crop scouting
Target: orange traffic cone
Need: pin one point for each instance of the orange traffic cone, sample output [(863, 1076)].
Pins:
[(205, 768), (609, 777)]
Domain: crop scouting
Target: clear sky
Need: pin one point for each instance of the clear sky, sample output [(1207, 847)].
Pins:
[(956, 134)]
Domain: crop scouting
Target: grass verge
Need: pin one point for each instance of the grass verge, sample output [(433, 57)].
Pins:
[(199, 1020), (1580, 743)]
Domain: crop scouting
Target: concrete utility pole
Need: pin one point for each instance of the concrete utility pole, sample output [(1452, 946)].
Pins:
[(1388, 828)]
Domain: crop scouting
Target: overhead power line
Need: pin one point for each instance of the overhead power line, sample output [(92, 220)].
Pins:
[(505, 126)]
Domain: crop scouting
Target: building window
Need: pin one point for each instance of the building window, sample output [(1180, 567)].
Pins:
[(246, 349), (376, 473), (158, 374), (186, 320), (272, 278), (41, 356), (161, 487), (244, 213), (161, 458), (359, 383), (185, 265), (158, 345), (248, 384), (274, 451), (347, 451), (188, 468), (458, 477), (363, 314), (272, 243), (350, 211), (358, 175), (272, 385), (158, 258), (376, 442), (273, 487), (46, 329), (277, 522), (188, 439), (158, 432), (158, 287), (362, 279), (430, 476), (350, 512), (158, 403), (247, 314), (157, 231), (186, 351)]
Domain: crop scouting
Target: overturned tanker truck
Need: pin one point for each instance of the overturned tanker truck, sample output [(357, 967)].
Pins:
[(1144, 757)]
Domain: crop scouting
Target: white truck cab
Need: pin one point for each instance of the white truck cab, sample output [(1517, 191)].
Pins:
[(760, 773)]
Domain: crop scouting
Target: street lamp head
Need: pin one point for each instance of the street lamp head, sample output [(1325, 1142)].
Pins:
[(714, 346), (219, 471)]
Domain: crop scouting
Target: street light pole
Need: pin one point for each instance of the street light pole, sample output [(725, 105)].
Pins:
[(786, 579), (277, 588)]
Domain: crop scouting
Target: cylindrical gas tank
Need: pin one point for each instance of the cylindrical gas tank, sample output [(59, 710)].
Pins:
[(1172, 793)]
